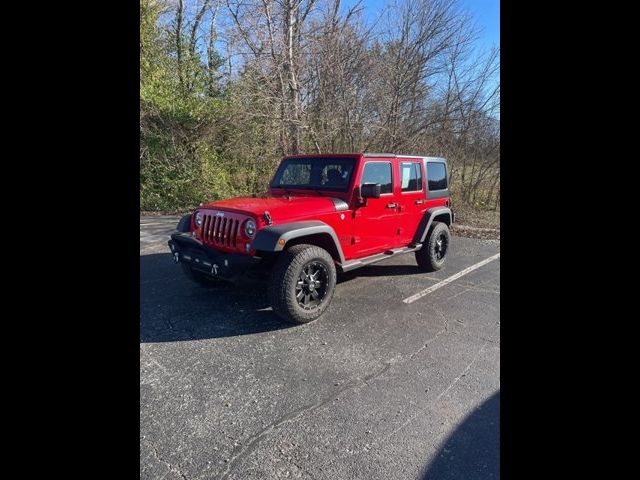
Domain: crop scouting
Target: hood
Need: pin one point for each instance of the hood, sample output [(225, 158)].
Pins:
[(280, 208)]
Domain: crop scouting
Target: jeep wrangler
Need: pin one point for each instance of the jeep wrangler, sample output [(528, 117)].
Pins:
[(322, 214)]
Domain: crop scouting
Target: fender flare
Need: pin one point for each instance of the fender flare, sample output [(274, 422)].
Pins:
[(275, 237), (427, 220), (184, 225)]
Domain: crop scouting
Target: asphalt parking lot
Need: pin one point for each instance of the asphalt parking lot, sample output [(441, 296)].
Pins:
[(377, 388)]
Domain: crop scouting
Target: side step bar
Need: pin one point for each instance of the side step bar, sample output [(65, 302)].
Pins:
[(362, 262)]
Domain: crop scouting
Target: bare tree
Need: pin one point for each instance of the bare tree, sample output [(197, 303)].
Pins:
[(316, 75)]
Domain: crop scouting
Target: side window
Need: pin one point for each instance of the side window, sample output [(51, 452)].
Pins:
[(378, 172), (411, 177), (437, 176)]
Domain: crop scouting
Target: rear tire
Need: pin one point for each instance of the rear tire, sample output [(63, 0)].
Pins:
[(433, 254), (200, 278), (302, 283)]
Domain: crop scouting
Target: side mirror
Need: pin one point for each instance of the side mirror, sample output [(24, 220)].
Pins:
[(370, 190)]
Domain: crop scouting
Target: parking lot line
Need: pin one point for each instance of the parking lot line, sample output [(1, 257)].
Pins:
[(446, 281)]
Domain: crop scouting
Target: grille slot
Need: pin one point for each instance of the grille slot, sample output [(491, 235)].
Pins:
[(234, 234), (220, 231), (206, 227)]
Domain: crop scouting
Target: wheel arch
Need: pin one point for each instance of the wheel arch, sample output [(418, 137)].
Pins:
[(184, 225), (278, 238), (436, 214), (322, 240)]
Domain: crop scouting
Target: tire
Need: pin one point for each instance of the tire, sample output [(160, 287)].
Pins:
[(200, 278), (433, 254), (288, 297)]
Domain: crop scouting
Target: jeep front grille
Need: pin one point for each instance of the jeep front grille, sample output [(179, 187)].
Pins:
[(220, 231)]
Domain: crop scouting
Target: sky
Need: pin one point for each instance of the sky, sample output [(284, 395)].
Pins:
[(485, 12)]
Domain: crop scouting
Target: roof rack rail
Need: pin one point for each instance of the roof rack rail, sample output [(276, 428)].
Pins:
[(395, 155), (372, 154)]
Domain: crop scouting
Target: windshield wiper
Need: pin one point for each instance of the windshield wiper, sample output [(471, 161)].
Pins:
[(313, 189)]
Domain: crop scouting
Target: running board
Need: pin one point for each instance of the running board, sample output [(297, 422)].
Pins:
[(378, 257)]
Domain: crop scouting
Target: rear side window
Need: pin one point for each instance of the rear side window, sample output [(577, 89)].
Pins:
[(437, 176), (411, 175), (378, 172)]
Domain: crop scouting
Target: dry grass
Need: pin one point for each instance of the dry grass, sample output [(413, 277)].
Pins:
[(475, 223)]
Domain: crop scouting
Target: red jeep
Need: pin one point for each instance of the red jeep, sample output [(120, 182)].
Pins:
[(322, 214)]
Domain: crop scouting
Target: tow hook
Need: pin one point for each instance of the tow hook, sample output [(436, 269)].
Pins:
[(176, 257), (214, 269)]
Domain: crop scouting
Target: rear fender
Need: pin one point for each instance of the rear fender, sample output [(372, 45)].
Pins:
[(435, 214)]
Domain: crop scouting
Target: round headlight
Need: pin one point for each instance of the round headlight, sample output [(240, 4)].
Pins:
[(250, 228), (198, 219)]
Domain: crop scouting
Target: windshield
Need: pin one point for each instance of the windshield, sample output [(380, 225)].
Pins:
[(314, 173)]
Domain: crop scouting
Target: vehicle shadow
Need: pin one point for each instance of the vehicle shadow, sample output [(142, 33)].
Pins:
[(377, 270), (172, 308), (472, 451)]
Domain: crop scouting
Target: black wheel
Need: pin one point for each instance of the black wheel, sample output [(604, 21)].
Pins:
[(302, 283), (433, 254), (200, 278)]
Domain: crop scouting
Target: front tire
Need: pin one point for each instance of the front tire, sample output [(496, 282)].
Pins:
[(433, 254), (302, 283)]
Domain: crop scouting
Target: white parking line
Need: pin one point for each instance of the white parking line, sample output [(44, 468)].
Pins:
[(446, 281)]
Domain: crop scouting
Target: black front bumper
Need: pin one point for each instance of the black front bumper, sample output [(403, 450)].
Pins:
[(189, 251)]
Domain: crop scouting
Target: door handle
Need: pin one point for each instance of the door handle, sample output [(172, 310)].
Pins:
[(391, 205), (420, 202)]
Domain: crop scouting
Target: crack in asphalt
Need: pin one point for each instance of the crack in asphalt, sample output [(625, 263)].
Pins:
[(445, 328), (474, 288), (146, 353), (252, 443), (464, 371), (170, 467), (378, 443)]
